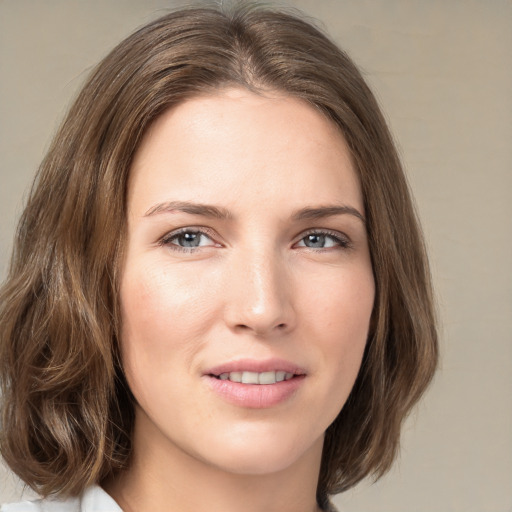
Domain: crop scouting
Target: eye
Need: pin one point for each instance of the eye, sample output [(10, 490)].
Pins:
[(323, 240), (187, 240)]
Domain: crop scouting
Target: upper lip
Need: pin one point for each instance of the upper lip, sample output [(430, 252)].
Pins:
[(254, 365)]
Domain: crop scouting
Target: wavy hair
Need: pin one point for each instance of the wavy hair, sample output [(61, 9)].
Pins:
[(67, 413)]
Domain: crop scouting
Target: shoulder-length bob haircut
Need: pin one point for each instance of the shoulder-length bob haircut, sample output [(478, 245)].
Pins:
[(67, 413)]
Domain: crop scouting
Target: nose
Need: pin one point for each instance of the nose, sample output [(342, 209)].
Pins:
[(260, 293)]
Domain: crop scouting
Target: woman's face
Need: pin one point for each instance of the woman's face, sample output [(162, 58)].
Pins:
[(247, 260)]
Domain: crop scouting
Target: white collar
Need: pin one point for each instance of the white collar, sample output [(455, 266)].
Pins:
[(93, 499)]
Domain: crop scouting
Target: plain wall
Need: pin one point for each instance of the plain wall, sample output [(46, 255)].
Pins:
[(442, 70)]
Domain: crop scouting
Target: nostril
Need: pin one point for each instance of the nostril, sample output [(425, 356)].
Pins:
[(245, 327)]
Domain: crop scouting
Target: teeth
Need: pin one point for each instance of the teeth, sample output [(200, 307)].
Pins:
[(280, 376), (267, 378), (235, 376), (257, 378), (250, 378)]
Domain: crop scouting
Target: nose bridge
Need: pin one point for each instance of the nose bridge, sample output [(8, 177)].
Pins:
[(261, 295)]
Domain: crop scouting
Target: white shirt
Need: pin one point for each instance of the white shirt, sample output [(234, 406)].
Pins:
[(94, 499)]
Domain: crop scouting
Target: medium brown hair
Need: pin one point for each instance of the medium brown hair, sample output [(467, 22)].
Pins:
[(67, 412)]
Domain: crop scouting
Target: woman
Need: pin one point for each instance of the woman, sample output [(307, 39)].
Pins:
[(219, 283)]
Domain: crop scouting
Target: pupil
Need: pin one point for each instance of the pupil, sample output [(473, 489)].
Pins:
[(316, 240)]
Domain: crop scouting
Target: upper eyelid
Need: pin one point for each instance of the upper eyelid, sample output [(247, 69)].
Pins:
[(211, 232), (324, 231), (213, 235), (193, 229), (167, 238)]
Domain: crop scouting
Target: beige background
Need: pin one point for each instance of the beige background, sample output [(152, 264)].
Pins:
[(442, 70)]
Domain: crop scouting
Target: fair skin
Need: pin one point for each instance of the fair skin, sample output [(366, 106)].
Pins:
[(274, 281)]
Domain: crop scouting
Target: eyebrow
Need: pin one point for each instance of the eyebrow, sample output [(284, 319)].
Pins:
[(206, 210), (321, 212)]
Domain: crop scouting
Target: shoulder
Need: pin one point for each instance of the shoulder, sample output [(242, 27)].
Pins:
[(94, 499)]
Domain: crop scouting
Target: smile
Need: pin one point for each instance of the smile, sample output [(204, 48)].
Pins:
[(256, 384), (264, 378)]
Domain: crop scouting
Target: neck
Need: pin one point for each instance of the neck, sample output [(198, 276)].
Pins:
[(171, 479)]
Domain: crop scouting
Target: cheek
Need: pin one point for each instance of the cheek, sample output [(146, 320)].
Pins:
[(162, 306), (340, 317), (164, 317), (340, 304)]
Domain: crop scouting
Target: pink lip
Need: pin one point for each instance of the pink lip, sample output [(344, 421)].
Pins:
[(252, 365), (255, 396)]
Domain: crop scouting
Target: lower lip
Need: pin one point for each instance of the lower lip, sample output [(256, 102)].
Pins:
[(255, 396)]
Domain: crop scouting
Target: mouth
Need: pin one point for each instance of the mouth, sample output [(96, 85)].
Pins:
[(261, 378), (256, 384), (251, 371)]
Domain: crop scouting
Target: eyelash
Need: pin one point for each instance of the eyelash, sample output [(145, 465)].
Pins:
[(342, 242), (166, 240)]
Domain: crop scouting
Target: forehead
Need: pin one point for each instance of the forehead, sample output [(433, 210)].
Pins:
[(228, 143)]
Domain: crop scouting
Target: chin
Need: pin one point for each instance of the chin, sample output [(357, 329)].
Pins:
[(265, 453)]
